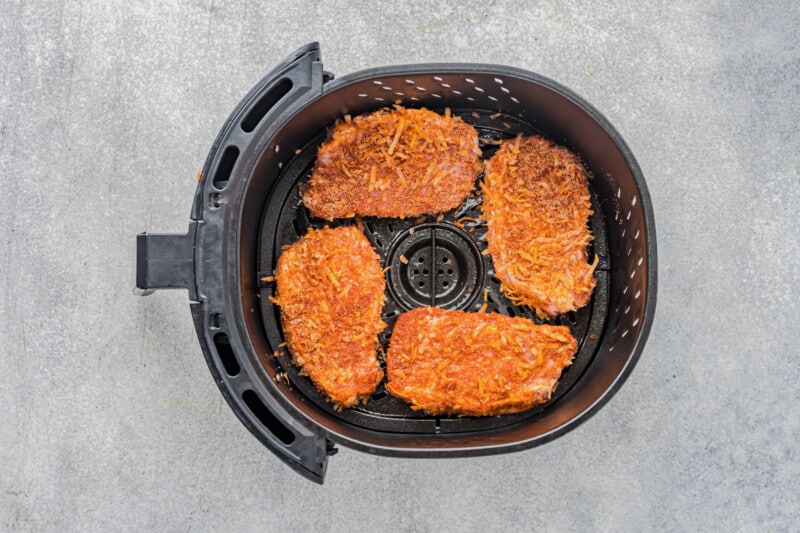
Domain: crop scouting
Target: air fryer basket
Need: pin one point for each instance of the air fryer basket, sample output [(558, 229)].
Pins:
[(247, 207)]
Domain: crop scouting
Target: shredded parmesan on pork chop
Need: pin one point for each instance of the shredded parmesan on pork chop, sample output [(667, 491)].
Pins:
[(537, 206), (330, 289), (394, 163), (452, 362)]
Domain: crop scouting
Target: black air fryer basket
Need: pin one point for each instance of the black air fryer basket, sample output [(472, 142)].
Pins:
[(247, 206)]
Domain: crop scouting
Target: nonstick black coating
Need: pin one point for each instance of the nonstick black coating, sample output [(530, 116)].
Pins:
[(445, 268)]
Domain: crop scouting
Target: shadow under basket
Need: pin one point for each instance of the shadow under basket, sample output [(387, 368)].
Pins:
[(247, 206)]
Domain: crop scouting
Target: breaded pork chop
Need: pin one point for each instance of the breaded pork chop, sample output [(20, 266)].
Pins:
[(330, 292), (452, 362), (394, 163), (537, 206)]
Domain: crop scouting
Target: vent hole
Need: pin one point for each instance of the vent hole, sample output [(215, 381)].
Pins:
[(445, 284), (229, 362), (379, 243), (267, 102), (421, 283), (265, 416), (225, 167)]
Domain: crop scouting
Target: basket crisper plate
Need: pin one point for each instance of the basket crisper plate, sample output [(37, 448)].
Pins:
[(445, 268)]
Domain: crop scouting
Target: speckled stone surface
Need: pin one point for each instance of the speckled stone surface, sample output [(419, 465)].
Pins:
[(111, 419)]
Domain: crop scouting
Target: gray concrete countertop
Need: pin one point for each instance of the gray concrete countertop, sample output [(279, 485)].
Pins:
[(111, 419)]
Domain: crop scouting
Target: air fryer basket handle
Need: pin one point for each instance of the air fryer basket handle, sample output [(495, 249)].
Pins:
[(166, 261)]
